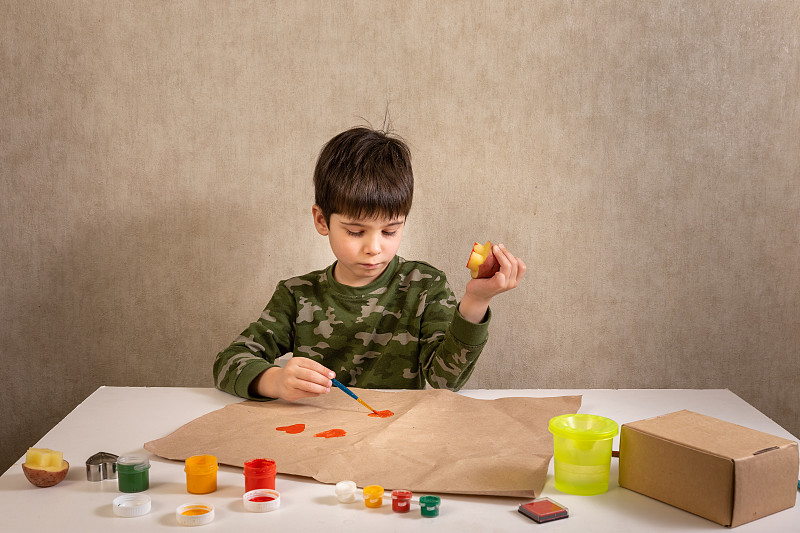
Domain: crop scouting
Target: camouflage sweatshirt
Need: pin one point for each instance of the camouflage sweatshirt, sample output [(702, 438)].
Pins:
[(397, 332)]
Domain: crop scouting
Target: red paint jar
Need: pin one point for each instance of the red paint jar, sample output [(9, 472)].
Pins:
[(259, 474), (401, 501)]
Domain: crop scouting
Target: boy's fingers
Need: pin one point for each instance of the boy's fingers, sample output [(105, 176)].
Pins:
[(296, 394), (314, 379), (305, 378), (297, 387), (504, 256), (313, 366), (309, 388), (501, 254), (514, 267), (521, 269)]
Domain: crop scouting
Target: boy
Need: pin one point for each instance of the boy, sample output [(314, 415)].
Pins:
[(372, 318)]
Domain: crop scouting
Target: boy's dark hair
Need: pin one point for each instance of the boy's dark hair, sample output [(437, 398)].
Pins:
[(364, 173)]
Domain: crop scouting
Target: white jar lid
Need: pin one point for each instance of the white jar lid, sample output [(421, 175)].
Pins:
[(130, 505), (271, 500), (194, 514)]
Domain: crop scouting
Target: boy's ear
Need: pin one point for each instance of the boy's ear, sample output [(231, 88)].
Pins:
[(319, 220)]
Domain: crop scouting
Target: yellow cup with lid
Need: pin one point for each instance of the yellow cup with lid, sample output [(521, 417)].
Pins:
[(582, 452)]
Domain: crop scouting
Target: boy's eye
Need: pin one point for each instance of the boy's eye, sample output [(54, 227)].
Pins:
[(355, 233), (390, 233)]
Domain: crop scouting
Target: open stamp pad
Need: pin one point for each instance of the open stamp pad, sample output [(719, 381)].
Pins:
[(544, 510)]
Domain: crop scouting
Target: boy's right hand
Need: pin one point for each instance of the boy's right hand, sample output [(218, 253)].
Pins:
[(301, 377)]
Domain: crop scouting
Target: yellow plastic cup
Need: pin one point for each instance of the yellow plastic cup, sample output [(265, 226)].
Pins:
[(582, 452)]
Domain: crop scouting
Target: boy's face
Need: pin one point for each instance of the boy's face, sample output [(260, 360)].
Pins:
[(363, 247)]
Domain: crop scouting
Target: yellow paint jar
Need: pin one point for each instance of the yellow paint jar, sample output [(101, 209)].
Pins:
[(373, 496), (201, 474)]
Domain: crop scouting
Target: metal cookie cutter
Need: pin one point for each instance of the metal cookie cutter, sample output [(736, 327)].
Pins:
[(100, 466)]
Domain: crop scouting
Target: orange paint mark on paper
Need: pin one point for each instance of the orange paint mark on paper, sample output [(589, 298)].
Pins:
[(332, 433), (294, 428), (381, 414)]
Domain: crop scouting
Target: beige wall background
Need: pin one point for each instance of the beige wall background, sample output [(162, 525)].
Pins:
[(642, 157)]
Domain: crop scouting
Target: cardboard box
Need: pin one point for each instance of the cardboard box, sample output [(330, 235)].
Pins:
[(721, 471)]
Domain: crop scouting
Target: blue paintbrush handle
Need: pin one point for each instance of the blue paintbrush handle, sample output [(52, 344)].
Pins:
[(345, 389)]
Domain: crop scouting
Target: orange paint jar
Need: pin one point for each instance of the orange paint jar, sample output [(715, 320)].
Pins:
[(259, 474), (201, 474)]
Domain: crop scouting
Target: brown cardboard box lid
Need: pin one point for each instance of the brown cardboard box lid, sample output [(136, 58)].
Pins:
[(709, 434)]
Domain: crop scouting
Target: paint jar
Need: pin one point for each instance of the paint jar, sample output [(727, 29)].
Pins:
[(133, 473), (401, 501), (429, 505), (346, 491), (259, 474), (373, 496), (201, 474), (582, 452), (194, 514)]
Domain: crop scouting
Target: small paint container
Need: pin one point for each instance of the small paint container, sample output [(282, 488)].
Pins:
[(429, 505), (194, 514), (259, 474), (373, 496), (131, 505), (346, 491), (261, 500), (401, 501), (201, 474), (133, 473)]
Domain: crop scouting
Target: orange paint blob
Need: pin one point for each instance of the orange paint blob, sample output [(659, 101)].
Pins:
[(332, 433), (381, 414), (294, 428)]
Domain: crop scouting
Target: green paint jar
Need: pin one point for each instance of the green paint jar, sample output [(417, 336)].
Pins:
[(429, 505), (133, 473)]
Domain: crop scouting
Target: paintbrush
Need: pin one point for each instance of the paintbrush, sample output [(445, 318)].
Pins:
[(351, 393)]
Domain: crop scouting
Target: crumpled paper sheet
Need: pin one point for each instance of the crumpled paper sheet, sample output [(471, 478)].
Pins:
[(437, 440)]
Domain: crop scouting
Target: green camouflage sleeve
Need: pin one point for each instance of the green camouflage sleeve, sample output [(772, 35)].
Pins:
[(449, 343), (256, 349)]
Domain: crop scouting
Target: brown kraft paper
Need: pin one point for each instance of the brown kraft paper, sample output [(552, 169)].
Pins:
[(436, 441)]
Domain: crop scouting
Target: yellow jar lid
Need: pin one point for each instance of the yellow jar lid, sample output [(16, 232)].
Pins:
[(373, 491)]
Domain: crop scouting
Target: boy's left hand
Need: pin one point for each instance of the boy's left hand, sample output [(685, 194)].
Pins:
[(480, 291)]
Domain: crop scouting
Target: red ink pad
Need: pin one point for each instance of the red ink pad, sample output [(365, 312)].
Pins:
[(293, 429), (543, 510)]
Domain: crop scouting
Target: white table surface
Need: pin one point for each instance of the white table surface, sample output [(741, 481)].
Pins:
[(121, 419)]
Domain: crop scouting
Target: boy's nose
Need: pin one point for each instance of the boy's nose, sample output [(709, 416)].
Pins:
[(373, 246)]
